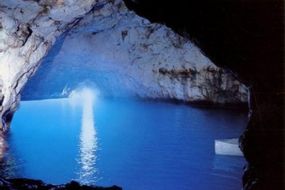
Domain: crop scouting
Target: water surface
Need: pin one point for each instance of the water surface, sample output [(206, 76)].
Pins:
[(134, 144)]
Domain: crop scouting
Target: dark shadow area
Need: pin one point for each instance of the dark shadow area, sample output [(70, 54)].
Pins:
[(248, 38), (245, 36)]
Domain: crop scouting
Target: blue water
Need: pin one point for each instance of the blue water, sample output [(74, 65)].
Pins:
[(137, 145)]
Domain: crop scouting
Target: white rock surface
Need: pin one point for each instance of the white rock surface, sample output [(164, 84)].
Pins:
[(151, 60), (27, 30), (140, 58)]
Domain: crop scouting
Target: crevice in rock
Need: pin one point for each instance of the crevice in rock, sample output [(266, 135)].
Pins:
[(23, 33)]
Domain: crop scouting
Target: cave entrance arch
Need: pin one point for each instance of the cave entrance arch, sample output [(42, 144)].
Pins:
[(127, 56)]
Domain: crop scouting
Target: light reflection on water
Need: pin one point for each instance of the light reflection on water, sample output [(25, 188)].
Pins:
[(134, 144), (88, 139)]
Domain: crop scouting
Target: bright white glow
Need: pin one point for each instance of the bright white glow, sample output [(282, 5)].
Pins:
[(88, 138), (83, 96)]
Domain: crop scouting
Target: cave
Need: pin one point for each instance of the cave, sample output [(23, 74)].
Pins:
[(220, 62)]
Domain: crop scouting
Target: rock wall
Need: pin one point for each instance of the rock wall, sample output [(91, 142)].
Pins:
[(126, 55), (27, 31), (159, 62)]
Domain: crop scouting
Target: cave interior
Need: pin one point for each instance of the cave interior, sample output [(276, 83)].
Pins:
[(246, 37)]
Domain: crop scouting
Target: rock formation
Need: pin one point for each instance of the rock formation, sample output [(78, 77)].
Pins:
[(126, 55), (161, 63), (29, 184), (243, 37), (27, 31)]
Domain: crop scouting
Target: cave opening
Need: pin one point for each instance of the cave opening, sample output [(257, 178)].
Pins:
[(86, 108), (121, 57)]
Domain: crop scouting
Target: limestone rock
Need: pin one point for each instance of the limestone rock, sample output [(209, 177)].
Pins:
[(150, 59), (27, 31), (127, 55)]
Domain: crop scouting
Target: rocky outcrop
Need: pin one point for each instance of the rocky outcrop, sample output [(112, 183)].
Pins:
[(27, 30), (29, 184), (126, 55), (263, 142)]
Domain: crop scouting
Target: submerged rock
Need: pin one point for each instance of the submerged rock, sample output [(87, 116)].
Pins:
[(30, 184)]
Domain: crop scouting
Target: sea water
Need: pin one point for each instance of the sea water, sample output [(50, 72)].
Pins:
[(138, 145)]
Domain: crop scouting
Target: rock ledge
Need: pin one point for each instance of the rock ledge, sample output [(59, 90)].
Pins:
[(30, 184)]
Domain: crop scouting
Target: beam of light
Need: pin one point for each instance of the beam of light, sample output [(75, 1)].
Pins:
[(88, 137)]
